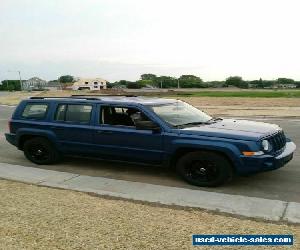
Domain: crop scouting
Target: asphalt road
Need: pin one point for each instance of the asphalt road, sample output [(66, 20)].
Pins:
[(3, 93), (281, 184)]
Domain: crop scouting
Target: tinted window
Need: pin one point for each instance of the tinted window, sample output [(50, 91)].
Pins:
[(73, 113), (35, 111), (121, 116)]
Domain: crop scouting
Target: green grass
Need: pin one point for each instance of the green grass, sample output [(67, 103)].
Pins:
[(263, 94)]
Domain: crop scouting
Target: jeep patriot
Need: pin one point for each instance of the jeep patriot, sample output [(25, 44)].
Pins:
[(205, 151)]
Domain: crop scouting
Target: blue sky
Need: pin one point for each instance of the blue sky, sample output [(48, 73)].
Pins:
[(121, 39)]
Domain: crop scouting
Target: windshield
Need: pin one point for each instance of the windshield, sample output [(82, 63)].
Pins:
[(180, 113)]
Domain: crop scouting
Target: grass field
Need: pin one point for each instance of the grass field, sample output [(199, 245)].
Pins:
[(33, 217), (257, 94)]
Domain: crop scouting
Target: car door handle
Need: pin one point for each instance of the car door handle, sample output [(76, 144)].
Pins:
[(56, 128), (104, 132)]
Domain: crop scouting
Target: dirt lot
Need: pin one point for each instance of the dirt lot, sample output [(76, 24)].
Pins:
[(243, 101), (243, 106), (34, 217), (217, 106)]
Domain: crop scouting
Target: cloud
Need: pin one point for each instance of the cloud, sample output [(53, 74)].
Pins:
[(122, 39)]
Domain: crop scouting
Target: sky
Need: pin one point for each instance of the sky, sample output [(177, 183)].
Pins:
[(122, 39)]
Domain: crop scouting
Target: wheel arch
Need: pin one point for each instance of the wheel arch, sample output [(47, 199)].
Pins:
[(25, 135), (179, 152)]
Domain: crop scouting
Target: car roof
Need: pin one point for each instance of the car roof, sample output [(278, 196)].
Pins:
[(143, 100)]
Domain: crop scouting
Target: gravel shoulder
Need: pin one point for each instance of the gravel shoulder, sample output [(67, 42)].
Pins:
[(33, 217)]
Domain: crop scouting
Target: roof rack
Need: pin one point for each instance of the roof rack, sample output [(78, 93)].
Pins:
[(64, 97)]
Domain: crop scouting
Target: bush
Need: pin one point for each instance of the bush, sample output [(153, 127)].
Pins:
[(133, 85)]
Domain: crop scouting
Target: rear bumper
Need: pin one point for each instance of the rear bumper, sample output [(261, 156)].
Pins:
[(267, 162), (11, 138)]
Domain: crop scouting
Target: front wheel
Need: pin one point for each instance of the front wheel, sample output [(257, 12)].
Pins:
[(205, 169), (40, 151)]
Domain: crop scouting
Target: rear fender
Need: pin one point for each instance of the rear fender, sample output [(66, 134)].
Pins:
[(36, 133)]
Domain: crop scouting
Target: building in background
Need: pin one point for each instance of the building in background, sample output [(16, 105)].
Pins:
[(34, 83), (89, 84), (287, 86), (54, 85)]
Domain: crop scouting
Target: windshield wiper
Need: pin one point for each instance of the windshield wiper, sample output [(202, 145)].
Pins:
[(190, 123), (214, 119)]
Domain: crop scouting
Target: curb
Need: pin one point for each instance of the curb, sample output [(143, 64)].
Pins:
[(252, 207), (9, 106)]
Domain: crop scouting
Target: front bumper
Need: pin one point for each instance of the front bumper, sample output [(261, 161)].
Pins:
[(11, 138), (262, 163)]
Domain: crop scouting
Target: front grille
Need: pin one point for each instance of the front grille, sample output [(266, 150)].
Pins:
[(277, 141)]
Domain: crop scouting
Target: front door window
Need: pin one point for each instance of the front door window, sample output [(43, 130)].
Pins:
[(121, 116)]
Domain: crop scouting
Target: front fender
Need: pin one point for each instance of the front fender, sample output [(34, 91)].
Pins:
[(225, 147)]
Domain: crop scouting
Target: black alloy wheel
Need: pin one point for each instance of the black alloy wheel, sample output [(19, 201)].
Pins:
[(204, 168), (40, 151)]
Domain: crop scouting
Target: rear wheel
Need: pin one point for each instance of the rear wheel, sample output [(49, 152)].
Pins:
[(206, 169), (40, 151)]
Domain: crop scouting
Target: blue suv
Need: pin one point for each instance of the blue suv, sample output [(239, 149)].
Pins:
[(205, 151)]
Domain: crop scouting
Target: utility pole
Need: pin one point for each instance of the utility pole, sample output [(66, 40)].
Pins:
[(161, 84), (21, 84), (178, 83), (7, 84)]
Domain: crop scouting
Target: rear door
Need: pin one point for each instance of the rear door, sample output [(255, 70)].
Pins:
[(72, 124), (116, 136)]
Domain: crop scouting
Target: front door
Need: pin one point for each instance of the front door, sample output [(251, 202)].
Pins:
[(117, 137)]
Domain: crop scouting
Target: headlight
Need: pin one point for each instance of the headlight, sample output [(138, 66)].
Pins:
[(266, 145)]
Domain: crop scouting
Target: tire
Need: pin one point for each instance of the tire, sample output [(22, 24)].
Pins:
[(40, 151), (204, 169)]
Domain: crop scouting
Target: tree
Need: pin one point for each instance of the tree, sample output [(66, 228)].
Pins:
[(236, 81), (148, 76), (166, 82), (191, 81), (110, 85), (268, 83), (191, 78), (285, 81), (133, 85), (215, 84), (144, 83), (122, 83), (66, 79), (10, 85), (297, 84), (260, 83)]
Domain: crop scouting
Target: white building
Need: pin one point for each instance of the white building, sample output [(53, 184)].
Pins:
[(34, 83), (89, 83), (287, 86)]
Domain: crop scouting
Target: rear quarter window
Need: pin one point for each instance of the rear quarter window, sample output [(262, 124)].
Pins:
[(35, 111)]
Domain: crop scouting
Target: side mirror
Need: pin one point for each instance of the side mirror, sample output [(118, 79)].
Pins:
[(147, 125)]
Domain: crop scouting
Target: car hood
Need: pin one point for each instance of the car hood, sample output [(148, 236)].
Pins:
[(234, 129)]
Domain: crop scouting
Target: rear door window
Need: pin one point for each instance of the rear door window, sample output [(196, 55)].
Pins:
[(78, 113), (35, 111)]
